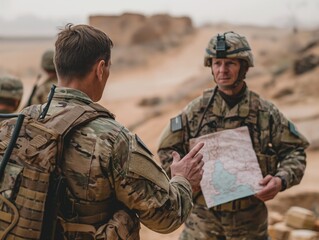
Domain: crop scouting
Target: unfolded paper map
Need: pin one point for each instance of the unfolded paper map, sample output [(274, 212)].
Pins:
[(231, 169)]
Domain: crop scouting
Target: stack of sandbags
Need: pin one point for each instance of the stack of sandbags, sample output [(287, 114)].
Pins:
[(302, 234), (300, 218), (316, 228), (297, 224), (279, 231)]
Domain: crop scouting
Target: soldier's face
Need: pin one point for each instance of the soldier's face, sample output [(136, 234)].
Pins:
[(8, 105), (225, 71)]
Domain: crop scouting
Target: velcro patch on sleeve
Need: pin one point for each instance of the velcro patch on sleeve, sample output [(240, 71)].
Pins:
[(176, 123), (142, 164), (148, 169), (293, 129)]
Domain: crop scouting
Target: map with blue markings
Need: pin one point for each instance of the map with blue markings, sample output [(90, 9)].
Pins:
[(231, 169)]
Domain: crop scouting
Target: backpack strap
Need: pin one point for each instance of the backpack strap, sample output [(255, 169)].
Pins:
[(79, 115), (76, 116), (259, 123), (252, 120)]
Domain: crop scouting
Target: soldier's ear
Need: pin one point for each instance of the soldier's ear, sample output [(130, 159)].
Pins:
[(100, 69)]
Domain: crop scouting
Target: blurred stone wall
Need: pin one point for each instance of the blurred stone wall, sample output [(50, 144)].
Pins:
[(136, 29)]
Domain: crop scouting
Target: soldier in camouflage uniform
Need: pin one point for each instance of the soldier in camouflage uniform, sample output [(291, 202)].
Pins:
[(279, 147), (113, 183), (42, 90), (11, 91)]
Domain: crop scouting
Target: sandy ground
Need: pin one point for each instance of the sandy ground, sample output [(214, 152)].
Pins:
[(174, 77)]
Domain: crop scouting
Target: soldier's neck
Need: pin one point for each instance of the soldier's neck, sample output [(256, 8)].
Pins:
[(234, 99), (233, 91)]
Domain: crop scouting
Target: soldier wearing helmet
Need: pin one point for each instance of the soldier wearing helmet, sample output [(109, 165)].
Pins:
[(11, 91), (230, 105), (40, 92)]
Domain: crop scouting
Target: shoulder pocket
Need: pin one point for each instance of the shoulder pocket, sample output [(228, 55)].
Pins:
[(142, 164)]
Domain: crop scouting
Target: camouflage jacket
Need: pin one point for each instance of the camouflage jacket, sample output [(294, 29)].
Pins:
[(41, 94), (278, 145), (109, 168)]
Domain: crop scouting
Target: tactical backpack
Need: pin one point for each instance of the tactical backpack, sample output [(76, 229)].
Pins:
[(30, 179)]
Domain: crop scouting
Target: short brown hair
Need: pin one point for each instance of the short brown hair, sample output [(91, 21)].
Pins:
[(77, 49)]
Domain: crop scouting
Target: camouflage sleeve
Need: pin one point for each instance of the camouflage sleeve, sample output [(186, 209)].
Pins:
[(290, 146), (124, 224), (172, 139), (161, 204)]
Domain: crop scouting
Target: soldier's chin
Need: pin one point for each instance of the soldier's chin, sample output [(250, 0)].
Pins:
[(225, 86)]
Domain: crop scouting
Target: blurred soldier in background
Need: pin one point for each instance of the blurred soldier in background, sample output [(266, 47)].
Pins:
[(279, 147), (40, 92), (11, 91)]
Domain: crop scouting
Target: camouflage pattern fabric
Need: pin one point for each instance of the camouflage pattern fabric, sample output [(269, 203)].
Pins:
[(41, 94), (278, 145), (11, 91), (246, 224), (123, 225), (11, 87), (109, 169)]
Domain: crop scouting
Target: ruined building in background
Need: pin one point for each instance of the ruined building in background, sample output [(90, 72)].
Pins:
[(136, 29)]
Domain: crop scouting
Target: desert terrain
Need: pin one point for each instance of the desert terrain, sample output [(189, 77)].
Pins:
[(158, 80)]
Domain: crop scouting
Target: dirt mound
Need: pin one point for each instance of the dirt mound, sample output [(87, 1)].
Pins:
[(306, 64), (290, 66)]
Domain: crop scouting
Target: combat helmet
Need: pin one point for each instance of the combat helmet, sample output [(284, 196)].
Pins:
[(11, 87), (47, 60), (228, 45)]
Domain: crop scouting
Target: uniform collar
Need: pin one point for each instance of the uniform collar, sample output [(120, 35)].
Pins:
[(220, 107), (71, 93)]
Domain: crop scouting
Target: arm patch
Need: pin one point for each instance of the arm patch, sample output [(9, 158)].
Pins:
[(293, 129), (176, 123)]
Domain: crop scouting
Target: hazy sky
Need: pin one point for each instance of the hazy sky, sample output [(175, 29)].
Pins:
[(259, 12)]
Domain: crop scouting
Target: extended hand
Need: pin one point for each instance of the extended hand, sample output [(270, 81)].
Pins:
[(190, 166)]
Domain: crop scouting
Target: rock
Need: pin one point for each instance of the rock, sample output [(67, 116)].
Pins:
[(300, 218), (303, 235), (275, 217), (306, 64), (279, 231)]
